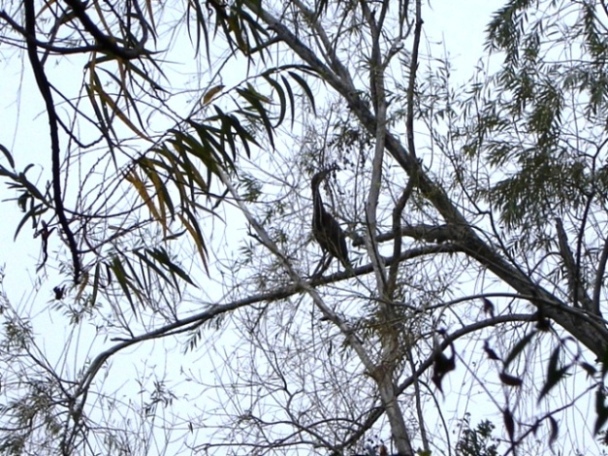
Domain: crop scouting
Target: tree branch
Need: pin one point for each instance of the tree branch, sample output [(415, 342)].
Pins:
[(577, 291), (107, 43), (45, 91)]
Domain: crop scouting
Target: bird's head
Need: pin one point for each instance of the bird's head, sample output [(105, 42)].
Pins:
[(319, 176)]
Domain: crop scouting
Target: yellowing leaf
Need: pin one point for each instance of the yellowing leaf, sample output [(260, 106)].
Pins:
[(105, 98), (211, 93), (139, 185), (197, 239)]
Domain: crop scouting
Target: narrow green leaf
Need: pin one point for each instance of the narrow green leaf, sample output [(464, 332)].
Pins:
[(150, 263), (282, 100), (255, 99), (123, 281), (554, 374), (510, 380), (553, 378), (32, 213), (509, 423), (519, 348), (292, 104), (8, 156), (302, 82), (161, 255), (554, 431), (96, 283)]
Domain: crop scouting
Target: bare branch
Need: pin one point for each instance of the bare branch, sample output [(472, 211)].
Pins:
[(45, 91)]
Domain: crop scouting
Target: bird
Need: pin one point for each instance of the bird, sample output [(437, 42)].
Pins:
[(325, 227)]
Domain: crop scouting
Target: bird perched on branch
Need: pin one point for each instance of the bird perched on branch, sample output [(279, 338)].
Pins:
[(325, 227)]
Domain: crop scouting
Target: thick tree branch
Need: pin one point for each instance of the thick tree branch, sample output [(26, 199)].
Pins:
[(45, 91), (422, 232)]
